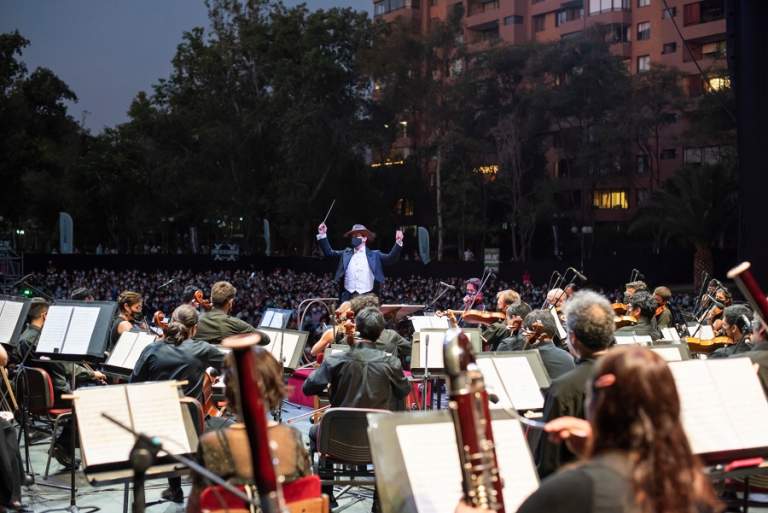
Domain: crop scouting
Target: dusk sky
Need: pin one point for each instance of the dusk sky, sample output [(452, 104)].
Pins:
[(108, 50)]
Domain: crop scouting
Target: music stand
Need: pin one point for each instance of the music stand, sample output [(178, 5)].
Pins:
[(404, 447), (287, 346), (13, 316), (672, 352), (127, 351), (397, 313), (516, 378), (275, 318)]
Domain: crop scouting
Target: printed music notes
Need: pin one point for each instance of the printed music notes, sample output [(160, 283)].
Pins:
[(424, 322), (55, 329), (9, 318), (432, 464), (723, 405), (513, 380), (81, 326), (150, 408), (128, 349)]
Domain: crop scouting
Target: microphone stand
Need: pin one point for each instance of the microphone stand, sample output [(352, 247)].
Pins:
[(437, 298), (143, 455)]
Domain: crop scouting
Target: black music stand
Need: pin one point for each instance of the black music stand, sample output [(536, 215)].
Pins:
[(287, 346)]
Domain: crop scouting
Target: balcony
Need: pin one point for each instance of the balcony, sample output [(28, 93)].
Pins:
[(481, 12)]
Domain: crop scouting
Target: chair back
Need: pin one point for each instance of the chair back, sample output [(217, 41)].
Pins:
[(300, 491), (35, 389), (343, 435)]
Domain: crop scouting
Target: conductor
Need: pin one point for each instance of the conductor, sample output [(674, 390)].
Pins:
[(360, 269)]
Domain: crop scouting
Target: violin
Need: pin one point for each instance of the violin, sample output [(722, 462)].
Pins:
[(158, 319), (349, 332), (624, 320), (200, 298), (533, 332), (698, 345), (209, 407), (620, 308), (659, 311), (475, 316)]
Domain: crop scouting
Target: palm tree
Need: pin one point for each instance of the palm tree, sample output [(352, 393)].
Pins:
[(695, 206)]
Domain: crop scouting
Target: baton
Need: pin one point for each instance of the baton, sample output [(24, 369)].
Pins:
[(329, 211)]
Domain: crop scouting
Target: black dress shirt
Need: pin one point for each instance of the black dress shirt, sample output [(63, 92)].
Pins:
[(363, 377)]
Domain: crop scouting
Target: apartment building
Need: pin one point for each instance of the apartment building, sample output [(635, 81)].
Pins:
[(641, 33)]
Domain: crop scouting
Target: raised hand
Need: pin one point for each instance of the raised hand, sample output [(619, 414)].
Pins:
[(399, 236), (322, 229)]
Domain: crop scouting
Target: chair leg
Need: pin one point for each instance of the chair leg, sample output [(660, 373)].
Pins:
[(53, 441)]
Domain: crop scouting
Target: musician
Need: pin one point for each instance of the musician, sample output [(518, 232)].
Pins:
[(556, 298), (178, 356), (188, 297), (217, 324), (360, 269), (473, 299), (60, 373), (130, 316), (363, 377), (494, 333), (390, 341), (715, 309), (540, 330), (226, 452), (333, 335), (737, 325), (632, 287), (663, 318), (635, 455), (11, 468), (515, 339), (642, 307), (589, 322)]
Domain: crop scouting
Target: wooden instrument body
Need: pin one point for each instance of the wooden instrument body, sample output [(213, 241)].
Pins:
[(624, 320), (698, 345), (475, 316), (620, 308)]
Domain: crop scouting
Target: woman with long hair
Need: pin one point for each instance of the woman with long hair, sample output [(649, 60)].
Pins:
[(636, 456)]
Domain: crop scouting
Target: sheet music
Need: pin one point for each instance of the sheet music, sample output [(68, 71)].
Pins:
[(670, 334), (156, 411), (705, 332), (54, 329), (267, 319), (425, 322), (277, 321), (624, 340), (122, 348), (142, 341), (430, 455), (103, 441), (516, 375), (435, 357), (670, 354), (560, 330), (9, 317), (81, 327), (715, 418), (289, 342)]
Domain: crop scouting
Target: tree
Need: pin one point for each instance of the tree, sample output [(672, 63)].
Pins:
[(696, 206)]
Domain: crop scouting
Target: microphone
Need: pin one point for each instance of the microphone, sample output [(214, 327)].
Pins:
[(22, 280), (166, 283), (578, 274), (448, 285)]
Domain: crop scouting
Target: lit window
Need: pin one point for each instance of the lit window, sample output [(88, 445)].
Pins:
[(488, 171), (643, 3), (717, 83), (644, 31), (610, 199), (643, 63)]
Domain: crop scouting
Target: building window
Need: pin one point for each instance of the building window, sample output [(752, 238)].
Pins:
[(644, 31), (669, 13), (668, 153), (538, 23), (717, 83), (618, 33), (669, 48), (599, 6), (513, 20), (536, 1), (642, 164), (404, 207), (643, 63), (610, 199), (703, 12), (643, 3), (713, 50), (386, 6), (567, 15)]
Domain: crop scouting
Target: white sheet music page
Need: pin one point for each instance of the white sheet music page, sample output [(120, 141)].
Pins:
[(747, 409), (518, 378), (705, 420), (289, 341), (266, 321), (156, 411), (670, 354), (103, 441), (122, 349), (142, 341), (431, 456), (670, 334), (277, 321), (54, 329), (560, 330), (431, 341), (9, 317), (80, 330)]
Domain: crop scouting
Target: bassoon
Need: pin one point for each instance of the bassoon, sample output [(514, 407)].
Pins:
[(481, 481), (742, 275), (251, 402)]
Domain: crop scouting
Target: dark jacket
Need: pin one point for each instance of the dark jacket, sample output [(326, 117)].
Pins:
[(642, 328), (216, 325), (393, 343), (737, 349), (495, 333), (514, 342), (376, 259), (161, 361), (557, 361), (566, 396), (363, 377)]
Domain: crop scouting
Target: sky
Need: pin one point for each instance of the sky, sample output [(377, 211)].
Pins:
[(109, 50)]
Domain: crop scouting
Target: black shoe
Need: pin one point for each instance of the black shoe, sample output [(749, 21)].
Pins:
[(173, 495), (64, 457)]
